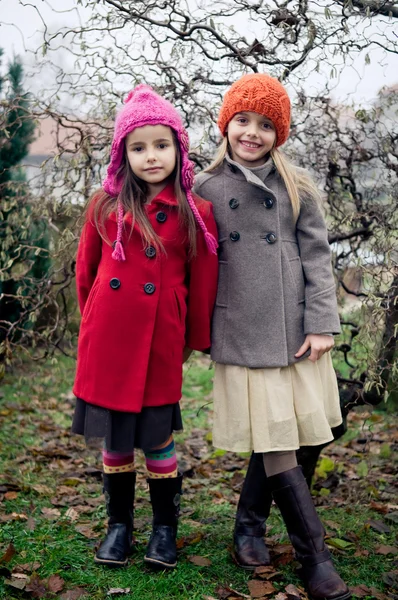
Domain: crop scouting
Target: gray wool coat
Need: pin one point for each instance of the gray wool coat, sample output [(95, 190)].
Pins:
[(275, 277)]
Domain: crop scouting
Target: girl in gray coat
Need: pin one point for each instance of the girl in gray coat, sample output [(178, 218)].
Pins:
[(275, 388)]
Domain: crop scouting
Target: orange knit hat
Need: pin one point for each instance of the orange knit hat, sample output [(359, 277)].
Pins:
[(258, 93)]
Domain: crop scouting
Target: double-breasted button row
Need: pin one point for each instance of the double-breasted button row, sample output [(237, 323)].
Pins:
[(270, 237), (149, 288), (233, 203), (115, 283), (161, 217), (150, 252), (234, 236), (268, 202)]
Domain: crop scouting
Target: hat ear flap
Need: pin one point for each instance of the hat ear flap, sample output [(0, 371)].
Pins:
[(187, 175)]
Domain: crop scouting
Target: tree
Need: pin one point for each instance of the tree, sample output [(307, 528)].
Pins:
[(21, 237)]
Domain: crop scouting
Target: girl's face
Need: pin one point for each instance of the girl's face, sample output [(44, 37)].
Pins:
[(151, 154), (251, 136)]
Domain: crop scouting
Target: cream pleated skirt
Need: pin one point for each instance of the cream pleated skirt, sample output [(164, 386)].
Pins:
[(266, 410)]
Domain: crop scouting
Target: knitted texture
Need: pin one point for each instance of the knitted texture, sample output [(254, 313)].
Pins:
[(258, 93), (144, 107)]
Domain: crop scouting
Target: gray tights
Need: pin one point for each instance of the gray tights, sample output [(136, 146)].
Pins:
[(279, 462)]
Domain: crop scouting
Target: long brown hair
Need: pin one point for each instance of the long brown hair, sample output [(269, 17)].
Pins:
[(133, 196)]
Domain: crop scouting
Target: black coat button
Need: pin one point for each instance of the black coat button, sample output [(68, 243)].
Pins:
[(268, 202), (270, 238), (115, 283), (234, 236), (149, 288), (233, 203), (161, 217), (150, 252)]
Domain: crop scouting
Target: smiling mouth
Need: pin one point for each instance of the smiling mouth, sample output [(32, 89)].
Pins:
[(250, 145), (153, 169)]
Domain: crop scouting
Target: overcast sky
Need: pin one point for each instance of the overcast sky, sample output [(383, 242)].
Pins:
[(21, 26)]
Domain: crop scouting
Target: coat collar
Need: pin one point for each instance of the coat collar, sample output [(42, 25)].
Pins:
[(236, 170)]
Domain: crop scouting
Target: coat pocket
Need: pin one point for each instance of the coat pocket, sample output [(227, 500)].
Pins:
[(222, 289), (296, 270), (90, 300)]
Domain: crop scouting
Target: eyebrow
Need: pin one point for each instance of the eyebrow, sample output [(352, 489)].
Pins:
[(154, 141)]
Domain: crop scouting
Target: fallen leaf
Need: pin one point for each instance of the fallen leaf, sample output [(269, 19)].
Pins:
[(187, 540), (340, 544), (258, 589), (51, 513), (19, 584), (360, 590), (37, 587), (378, 526), (114, 591), (55, 583), (332, 524), (31, 524), (11, 495), (199, 561), (280, 596), (27, 567), (9, 553), (44, 490), (87, 531), (382, 549), (72, 514), (292, 592), (392, 517), (391, 579), (266, 572)]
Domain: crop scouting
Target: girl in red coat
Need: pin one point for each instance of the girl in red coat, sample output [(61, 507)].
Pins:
[(146, 279)]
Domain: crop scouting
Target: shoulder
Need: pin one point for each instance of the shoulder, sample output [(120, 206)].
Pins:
[(207, 181), (96, 205), (204, 207)]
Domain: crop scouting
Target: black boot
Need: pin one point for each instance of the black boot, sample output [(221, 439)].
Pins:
[(165, 499), (119, 491), (253, 510), (292, 495)]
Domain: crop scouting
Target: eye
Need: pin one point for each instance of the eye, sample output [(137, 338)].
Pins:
[(163, 146), (241, 120), (267, 126), (137, 149)]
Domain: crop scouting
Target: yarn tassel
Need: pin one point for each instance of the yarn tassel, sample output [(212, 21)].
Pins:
[(211, 242), (118, 253)]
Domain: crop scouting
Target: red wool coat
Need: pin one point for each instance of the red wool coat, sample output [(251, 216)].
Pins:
[(138, 315)]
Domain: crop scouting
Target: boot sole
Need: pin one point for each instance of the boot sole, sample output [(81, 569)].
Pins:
[(250, 567), (113, 564), (159, 564)]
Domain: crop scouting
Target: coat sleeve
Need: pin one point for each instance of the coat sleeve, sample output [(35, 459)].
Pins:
[(87, 261), (320, 312), (202, 289)]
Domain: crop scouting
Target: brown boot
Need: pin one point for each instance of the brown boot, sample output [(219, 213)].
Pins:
[(253, 510), (291, 494)]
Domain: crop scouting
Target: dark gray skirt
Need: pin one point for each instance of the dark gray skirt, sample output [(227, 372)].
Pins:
[(123, 431)]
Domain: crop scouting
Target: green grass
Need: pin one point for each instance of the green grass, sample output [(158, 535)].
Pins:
[(47, 465)]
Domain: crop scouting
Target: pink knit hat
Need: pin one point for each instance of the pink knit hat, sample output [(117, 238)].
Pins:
[(144, 107)]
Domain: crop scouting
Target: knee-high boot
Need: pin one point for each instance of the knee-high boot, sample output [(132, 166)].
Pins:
[(292, 495), (165, 498), (119, 489), (253, 510)]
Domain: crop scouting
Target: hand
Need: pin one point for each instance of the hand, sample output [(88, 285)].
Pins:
[(186, 354), (319, 344)]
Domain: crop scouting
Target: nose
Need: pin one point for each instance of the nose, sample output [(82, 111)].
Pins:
[(151, 157), (252, 130)]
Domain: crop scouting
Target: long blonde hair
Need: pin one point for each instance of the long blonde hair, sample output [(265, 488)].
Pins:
[(298, 182)]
